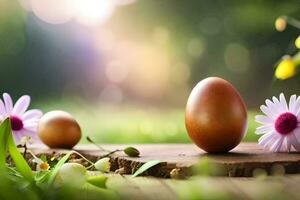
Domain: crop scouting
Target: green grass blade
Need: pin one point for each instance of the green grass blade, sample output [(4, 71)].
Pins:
[(18, 159), (145, 167), (4, 128)]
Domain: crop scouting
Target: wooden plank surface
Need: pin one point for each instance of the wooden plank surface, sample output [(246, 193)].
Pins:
[(243, 161), (147, 188)]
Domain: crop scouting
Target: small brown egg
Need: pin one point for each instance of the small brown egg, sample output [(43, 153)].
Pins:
[(216, 116), (59, 129)]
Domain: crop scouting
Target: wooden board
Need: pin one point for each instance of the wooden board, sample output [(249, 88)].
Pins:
[(243, 161), (147, 188)]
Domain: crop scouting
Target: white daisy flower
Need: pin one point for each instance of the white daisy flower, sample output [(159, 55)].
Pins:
[(280, 128), (40, 164)]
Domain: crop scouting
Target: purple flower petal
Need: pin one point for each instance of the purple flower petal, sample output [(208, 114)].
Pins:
[(31, 123), (295, 142), (32, 114), (21, 105), (29, 132), (33, 135), (32, 126), (8, 103), (17, 136)]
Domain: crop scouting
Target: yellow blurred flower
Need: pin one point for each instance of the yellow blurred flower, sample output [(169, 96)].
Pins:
[(280, 24), (286, 69), (297, 42)]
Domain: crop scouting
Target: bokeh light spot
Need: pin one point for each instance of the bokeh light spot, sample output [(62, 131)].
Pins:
[(196, 47), (116, 71), (210, 26), (94, 12), (111, 94), (161, 35), (181, 74), (53, 11), (237, 58)]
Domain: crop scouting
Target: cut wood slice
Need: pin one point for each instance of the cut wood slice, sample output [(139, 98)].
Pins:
[(182, 160)]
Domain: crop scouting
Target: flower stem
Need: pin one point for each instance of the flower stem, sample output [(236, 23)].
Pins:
[(101, 148), (292, 21), (25, 150), (110, 153), (84, 158), (94, 143)]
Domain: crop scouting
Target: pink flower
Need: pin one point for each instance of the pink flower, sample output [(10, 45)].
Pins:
[(23, 123), (281, 124)]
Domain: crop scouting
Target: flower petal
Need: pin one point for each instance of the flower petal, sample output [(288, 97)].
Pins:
[(294, 141), (265, 139), (277, 145), (268, 112), (283, 102), (283, 147), (297, 106), (274, 107), (29, 132), (17, 136), (277, 104), (297, 133), (8, 103), (32, 114), (21, 105), (288, 143), (265, 136), (263, 119), (31, 126), (32, 134), (292, 103), (264, 129)]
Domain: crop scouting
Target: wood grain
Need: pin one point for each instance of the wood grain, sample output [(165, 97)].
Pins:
[(147, 188)]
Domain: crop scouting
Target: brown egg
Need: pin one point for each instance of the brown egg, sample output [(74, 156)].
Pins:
[(58, 129), (216, 116)]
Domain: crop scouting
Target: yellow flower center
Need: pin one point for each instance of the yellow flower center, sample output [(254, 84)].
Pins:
[(44, 166)]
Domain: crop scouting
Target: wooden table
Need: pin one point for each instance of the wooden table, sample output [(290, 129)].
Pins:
[(147, 188), (245, 160)]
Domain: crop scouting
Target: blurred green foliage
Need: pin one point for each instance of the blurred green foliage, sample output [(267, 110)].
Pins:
[(128, 124), (232, 39)]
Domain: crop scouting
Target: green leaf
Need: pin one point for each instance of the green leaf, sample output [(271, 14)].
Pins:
[(12, 171), (145, 167), (7, 142), (18, 159), (132, 152), (43, 158), (53, 172), (93, 192), (4, 132), (41, 176), (99, 181)]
